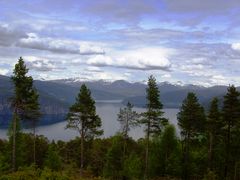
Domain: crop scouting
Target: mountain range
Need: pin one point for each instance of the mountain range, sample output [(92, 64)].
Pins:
[(57, 95)]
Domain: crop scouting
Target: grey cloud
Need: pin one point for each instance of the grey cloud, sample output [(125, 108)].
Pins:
[(43, 65), (209, 52), (160, 35), (206, 62), (93, 69), (9, 35), (203, 6), (126, 12), (145, 68)]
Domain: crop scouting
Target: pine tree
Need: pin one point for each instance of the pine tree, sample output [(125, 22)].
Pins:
[(53, 160), (128, 118), (191, 120), (153, 118), (169, 152), (23, 100), (83, 118), (212, 126), (32, 114), (231, 129)]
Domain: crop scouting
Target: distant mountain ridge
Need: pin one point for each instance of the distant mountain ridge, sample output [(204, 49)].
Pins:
[(57, 95)]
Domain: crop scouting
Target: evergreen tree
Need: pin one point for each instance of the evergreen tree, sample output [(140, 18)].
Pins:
[(231, 130), (32, 114), (53, 160), (83, 118), (19, 161), (191, 120), (24, 102), (113, 168), (153, 118), (128, 119), (169, 152), (212, 127)]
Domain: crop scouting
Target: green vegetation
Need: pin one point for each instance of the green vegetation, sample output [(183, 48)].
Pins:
[(82, 117), (208, 146)]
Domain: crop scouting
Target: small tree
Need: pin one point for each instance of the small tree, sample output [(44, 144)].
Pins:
[(53, 160), (153, 118), (169, 152), (113, 167), (128, 119), (83, 118)]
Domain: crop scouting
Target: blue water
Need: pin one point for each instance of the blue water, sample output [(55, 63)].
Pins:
[(108, 113)]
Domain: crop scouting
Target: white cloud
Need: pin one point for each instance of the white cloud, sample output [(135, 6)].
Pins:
[(93, 69), (33, 41), (218, 79), (108, 76), (142, 59), (236, 46), (40, 64), (4, 71), (166, 76)]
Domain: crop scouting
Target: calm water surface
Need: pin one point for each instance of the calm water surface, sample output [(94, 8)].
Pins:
[(108, 113)]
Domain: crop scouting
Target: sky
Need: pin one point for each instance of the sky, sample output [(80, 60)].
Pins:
[(179, 41)]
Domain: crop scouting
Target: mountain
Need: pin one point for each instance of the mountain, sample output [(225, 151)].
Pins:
[(172, 95), (57, 95)]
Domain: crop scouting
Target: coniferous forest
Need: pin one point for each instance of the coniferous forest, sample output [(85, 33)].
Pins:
[(208, 146)]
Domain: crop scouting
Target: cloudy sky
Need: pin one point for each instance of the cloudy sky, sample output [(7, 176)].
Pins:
[(185, 41)]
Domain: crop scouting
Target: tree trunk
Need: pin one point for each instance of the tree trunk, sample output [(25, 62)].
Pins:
[(14, 141), (227, 150), (125, 138), (82, 150), (147, 152), (210, 150), (235, 170), (34, 144), (186, 158)]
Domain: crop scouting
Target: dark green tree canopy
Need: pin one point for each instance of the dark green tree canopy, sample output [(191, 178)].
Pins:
[(82, 115), (153, 94), (191, 118), (231, 106), (214, 116), (153, 117), (23, 86)]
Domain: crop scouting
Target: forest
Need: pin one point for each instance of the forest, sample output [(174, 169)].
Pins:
[(207, 148)]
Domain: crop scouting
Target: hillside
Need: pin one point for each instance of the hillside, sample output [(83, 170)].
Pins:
[(56, 96)]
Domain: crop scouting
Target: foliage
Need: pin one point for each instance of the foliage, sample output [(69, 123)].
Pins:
[(128, 118), (207, 148), (191, 120), (82, 115), (153, 117), (53, 160)]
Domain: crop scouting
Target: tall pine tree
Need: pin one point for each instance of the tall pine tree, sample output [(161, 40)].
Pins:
[(231, 130), (83, 118), (153, 119), (25, 101), (191, 120), (212, 127), (32, 115)]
